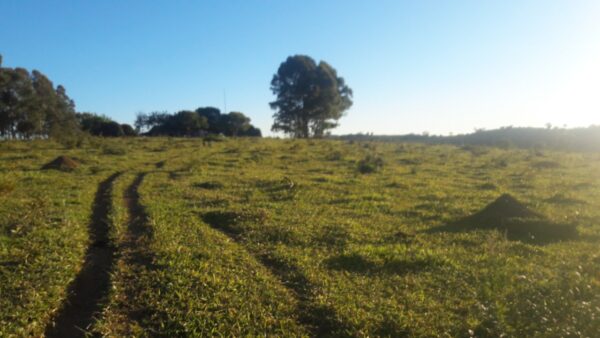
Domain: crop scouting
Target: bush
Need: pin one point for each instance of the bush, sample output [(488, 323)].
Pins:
[(370, 164), (128, 130)]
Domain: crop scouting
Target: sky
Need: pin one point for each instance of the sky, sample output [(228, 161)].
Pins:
[(415, 66)]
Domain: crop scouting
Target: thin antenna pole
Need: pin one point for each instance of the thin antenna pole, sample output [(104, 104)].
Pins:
[(224, 101)]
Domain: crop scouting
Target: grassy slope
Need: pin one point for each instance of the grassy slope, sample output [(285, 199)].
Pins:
[(43, 234), (44, 217), (356, 241), (199, 282), (288, 238)]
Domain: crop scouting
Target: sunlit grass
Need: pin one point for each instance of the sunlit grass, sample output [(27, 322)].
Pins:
[(282, 237)]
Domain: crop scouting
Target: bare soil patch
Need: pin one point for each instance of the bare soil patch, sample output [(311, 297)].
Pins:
[(62, 163)]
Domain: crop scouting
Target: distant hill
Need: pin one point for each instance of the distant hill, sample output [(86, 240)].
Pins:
[(576, 139)]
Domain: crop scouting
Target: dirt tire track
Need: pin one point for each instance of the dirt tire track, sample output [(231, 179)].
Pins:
[(86, 296), (320, 321), (133, 314), (138, 257), (138, 229)]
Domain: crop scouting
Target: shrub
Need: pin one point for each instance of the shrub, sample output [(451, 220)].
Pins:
[(128, 130), (370, 164)]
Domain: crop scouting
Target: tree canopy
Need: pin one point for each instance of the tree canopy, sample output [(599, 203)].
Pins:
[(100, 125), (207, 120), (311, 97), (30, 105)]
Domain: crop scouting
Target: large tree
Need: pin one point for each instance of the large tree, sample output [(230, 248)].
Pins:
[(100, 125), (212, 116), (311, 97), (30, 106), (188, 123), (234, 123)]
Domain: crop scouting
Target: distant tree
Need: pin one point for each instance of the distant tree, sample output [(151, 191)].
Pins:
[(30, 106), (196, 123), (16, 94), (46, 108), (112, 129), (252, 132), (213, 117), (183, 123), (187, 123), (311, 98), (147, 122), (234, 123), (62, 120), (101, 125), (128, 130), (141, 122), (92, 123)]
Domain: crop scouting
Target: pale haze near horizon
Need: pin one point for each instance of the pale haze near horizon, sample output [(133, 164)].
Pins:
[(440, 67)]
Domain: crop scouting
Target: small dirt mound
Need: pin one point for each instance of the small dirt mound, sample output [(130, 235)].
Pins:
[(518, 222), (503, 208), (62, 163)]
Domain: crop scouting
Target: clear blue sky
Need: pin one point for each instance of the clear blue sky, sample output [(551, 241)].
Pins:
[(414, 66)]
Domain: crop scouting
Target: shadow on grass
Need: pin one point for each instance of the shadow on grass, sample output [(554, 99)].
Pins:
[(356, 263), (516, 221), (320, 320), (208, 185)]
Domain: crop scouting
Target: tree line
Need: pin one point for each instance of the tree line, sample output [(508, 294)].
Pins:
[(100, 125), (310, 100), (31, 106), (202, 121), (574, 139)]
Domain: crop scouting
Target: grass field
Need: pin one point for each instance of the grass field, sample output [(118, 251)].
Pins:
[(266, 237)]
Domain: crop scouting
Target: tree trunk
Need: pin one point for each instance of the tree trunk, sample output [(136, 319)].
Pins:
[(305, 131)]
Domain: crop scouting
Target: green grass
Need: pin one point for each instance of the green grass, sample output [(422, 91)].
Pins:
[(297, 238)]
